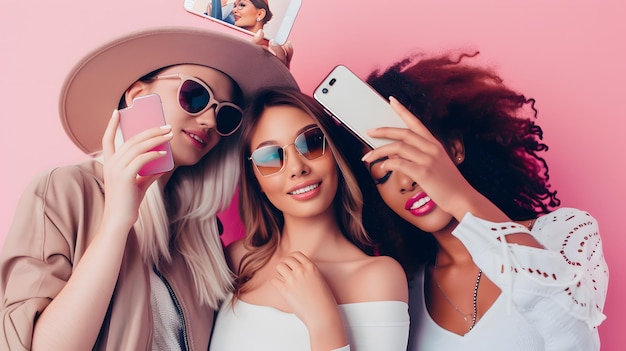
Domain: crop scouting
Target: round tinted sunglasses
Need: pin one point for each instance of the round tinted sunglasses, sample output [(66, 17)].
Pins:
[(195, 97), (271, 159)]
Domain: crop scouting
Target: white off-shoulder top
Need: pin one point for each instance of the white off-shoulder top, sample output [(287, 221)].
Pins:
[(379, 325)]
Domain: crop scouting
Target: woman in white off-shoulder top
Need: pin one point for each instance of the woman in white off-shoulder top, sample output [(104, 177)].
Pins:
[(306, 278), (494, 263)]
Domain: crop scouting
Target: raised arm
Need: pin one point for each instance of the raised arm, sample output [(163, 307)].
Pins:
[(418, 154), (561, 288), (75, 285)]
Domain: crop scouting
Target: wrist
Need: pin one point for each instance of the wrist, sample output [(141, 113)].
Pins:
[(479, 206), (330, 337)]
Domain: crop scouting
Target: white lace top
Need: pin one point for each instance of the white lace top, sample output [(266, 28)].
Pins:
[(552, 298)]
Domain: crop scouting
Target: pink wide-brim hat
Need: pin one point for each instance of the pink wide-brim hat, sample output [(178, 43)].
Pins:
[(93, 88)]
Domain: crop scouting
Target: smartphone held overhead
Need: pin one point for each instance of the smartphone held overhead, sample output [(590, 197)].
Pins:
[(355, 105), (147, 112), (275, 17)]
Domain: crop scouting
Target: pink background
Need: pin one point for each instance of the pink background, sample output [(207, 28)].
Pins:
[(569, 55)]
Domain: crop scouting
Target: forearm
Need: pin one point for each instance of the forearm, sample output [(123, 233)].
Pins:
[(570, 276), (327, 335), (74, 318), (479, 206)]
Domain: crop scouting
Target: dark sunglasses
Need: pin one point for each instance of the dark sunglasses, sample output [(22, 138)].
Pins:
[(270, 159), (195, 97)]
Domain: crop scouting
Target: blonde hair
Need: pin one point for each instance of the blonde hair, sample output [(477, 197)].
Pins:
[(184, 218)]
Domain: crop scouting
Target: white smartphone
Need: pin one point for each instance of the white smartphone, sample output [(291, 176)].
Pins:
[(144, 113), (356, 105), (242, 15)]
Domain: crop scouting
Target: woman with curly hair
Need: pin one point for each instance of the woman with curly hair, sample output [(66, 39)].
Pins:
[(493, 262)]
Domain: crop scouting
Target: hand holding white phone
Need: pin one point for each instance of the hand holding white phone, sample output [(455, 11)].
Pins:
[(356, 105)]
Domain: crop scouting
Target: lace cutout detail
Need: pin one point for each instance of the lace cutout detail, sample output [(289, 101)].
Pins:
[(571, 269)]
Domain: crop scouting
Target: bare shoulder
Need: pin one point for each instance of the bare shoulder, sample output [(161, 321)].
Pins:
[(234, 252), (381, 278)]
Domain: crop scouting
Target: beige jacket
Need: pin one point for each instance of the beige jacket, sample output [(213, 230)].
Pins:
[(53, 225)]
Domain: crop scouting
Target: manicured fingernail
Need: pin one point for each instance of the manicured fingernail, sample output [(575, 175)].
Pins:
[(367, 155), (167, 126)]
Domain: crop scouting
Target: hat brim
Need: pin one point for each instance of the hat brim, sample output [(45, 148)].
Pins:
[(93, 88)]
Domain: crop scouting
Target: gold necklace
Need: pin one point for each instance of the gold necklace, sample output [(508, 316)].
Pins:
[(458, 310)]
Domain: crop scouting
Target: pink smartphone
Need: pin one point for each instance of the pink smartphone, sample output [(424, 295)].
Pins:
[(144, 113)]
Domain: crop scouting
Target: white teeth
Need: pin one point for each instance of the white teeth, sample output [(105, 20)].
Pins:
[(419, 203), (197, 138), (304, 190)]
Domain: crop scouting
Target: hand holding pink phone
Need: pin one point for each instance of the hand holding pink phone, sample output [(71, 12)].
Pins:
[(144, 113)]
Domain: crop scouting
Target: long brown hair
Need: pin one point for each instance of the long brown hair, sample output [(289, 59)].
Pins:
[(263, 221)]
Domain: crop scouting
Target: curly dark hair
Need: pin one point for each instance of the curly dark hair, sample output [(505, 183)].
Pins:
[(456, 100)]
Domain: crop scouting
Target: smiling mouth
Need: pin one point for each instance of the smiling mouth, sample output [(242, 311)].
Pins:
[(197, 138), (419, 203), (306, 189)]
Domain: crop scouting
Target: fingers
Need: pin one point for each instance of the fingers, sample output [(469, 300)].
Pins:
[(409, 118), (108, 139), (417, 135), (140, 145), (295, 266), (413, 123), (143, 182), (282, 52), (259, 38), (296, 263), (136, 151), (408, 145)]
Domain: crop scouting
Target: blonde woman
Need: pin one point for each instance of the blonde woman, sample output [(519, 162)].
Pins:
[(99, 258)]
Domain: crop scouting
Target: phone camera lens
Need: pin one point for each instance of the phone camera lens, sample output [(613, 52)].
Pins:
[(332, 81), (324, 90)]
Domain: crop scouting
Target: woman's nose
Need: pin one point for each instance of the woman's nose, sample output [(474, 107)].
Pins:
[(207, 119), (405, 183), (295, 163)]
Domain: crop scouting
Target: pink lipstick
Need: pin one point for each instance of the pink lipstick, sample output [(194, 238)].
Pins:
[(419, 204)]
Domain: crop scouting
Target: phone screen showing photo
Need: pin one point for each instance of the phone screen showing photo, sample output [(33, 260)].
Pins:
[(275, 17)]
